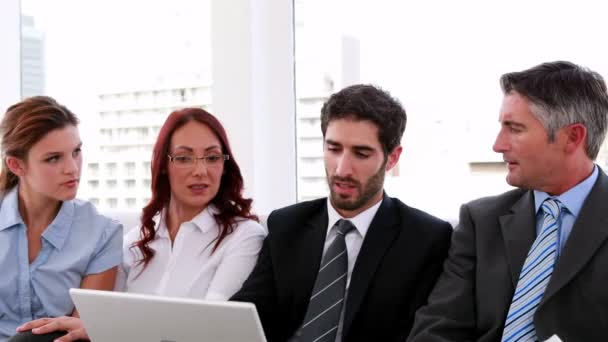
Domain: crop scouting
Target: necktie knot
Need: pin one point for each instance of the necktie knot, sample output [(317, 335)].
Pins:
[(344, 227), (552, 207)]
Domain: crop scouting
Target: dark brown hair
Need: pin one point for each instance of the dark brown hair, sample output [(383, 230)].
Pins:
[(368, 102), (23, 125)]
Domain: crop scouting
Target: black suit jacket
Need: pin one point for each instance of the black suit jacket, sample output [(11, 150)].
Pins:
[(397, 266), (489, 248)]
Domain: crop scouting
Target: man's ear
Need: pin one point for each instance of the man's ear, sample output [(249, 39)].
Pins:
[(15, 165), (393, 157), (575, 135)]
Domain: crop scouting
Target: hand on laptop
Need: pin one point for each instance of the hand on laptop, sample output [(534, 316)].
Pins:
[(73, 326)]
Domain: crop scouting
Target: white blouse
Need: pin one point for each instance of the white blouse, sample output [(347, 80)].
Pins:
[(188, 269)]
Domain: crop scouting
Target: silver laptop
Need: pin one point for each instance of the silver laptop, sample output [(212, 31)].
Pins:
[(115, 316)]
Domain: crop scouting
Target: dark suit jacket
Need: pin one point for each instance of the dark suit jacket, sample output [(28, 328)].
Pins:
[(489, 247), (396, 268)]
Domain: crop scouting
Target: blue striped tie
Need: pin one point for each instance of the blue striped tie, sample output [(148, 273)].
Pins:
[(534, 277)]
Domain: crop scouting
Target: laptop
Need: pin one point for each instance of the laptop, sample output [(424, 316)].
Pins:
[(116, 316)]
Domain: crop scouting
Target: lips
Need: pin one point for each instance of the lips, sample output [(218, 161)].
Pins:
[(71, 183), (510, 164), (344, 188), (198, 189), (198, 186), (345, 185)]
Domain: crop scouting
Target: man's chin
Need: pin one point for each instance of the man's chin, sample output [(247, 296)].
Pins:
[(514, 181), (344, 202)]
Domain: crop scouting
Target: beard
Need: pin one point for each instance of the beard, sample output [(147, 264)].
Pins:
[(366, 191)]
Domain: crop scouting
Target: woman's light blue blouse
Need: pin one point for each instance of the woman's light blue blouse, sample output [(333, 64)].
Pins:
[(78, 242)]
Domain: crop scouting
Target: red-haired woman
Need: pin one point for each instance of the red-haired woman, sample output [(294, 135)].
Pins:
[(198, 237)]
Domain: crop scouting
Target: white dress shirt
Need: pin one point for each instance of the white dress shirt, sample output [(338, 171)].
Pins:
[(188, 268), (353, 240)]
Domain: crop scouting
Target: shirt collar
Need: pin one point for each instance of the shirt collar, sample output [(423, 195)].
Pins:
[(361, 222), (204, 221), (9, 210), (56, 233), (572, 199)]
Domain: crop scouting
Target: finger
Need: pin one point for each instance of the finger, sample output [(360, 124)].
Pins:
[(33, 324), (49, 327), (78, 334)]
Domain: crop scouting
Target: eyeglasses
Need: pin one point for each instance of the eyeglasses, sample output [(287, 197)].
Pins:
[(189, 160)]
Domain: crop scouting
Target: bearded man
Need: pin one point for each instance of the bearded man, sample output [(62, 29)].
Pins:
[(357, 265)]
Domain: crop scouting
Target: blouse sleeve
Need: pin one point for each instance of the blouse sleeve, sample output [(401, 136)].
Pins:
[(108, 252), (237, 262)]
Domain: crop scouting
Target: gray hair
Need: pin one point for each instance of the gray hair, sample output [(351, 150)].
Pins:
[(563, 93)]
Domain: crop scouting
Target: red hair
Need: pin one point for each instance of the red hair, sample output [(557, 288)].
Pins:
[(229, 199)]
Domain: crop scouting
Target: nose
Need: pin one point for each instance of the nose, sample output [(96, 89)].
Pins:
[(199, 168), (72, 165), (344, 166), (500, 144)]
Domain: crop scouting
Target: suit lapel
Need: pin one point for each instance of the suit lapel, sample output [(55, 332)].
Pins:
[(589, 232), (382, 231), (519, 232), (307, 252)]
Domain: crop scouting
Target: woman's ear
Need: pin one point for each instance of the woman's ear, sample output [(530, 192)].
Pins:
[(15, 165)]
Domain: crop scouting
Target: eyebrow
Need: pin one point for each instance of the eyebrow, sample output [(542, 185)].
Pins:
[(356, 147), (190, 149), (52, 153), (363, 148)]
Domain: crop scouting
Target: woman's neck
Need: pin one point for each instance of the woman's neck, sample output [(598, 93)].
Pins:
[(37, 211), (178, 214)]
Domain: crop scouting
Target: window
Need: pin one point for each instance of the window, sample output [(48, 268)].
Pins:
[(111, 184), (132, 80), (139, 78), (32, 52), (111, 169), (142, 133), (112, 203), (422, 55), (130, 202), (443, 61), (106, 134), (130, 168), (93, 169)]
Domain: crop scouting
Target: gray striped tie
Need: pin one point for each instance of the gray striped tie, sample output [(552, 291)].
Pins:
[(323, 314)]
